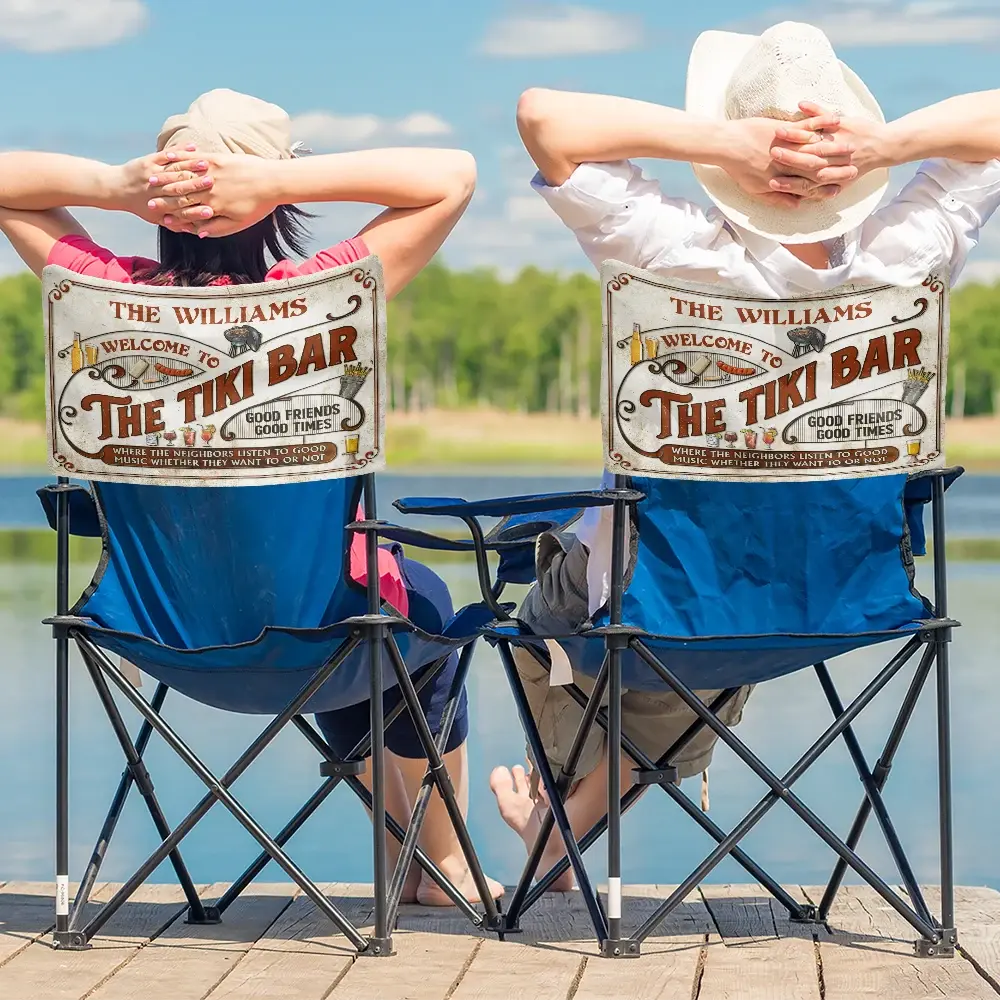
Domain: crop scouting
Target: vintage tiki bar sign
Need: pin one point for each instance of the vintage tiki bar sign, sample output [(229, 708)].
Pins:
[(701, 383), (218, 386)]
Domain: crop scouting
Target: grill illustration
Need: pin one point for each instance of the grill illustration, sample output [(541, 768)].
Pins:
[(242, 339), (806, 339)]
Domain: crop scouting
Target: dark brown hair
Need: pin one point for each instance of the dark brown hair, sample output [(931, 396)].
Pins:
[(243, 257)]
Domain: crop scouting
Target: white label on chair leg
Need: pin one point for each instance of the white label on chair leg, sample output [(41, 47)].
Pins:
[(614, 898), (62, 895), (561, 671)]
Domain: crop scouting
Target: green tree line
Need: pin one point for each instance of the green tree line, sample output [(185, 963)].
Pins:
[(533, 343)]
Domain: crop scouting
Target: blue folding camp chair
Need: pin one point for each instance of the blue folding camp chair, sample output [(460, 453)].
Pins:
[(737, 582), (826, 569), (240, 598)]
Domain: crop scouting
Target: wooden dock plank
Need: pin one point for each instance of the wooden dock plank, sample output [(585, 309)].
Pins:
[(185, 961), (870, 954), (671, 956), (27, 911), (977, 914), (302, 955), (746, 958), (39, 971)]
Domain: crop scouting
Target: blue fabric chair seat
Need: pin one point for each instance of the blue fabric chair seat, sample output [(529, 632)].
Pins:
[(738, 583)]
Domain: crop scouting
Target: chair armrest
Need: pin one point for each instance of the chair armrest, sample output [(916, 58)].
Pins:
[(513, 506)]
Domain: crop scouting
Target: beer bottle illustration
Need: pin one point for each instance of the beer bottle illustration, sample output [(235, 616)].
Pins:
[(636, 344), (76, 354)]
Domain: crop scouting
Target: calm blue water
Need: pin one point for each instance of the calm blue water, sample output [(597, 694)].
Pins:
[(973, 506), (661, 845)]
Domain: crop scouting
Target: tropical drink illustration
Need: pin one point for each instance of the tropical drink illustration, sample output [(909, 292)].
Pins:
[(770, 435), (190, 436), (750, 437), (207, 433)]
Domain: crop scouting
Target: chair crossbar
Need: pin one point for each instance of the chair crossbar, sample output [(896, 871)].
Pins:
[(218, 787), (874, 796), (135, 773), (780, 788), (795, 909), (438, 773), (880, 775), (360, 751)]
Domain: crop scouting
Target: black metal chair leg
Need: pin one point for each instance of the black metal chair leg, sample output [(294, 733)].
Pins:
[(62, 935)]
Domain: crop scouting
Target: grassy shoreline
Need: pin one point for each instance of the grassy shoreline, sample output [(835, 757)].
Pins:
[(487, 441)]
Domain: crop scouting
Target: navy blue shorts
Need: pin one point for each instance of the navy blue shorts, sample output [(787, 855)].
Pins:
[(430, 609)]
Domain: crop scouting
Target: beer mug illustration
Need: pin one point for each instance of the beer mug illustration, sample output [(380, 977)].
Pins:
[(652, 348), (90, 354), (351, 443)]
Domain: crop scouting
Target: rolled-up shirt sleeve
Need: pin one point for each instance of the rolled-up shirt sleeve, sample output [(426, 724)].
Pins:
[(935, 220), (616, 212)]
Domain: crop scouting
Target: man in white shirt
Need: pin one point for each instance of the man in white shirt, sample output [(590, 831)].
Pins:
[(794, 153)]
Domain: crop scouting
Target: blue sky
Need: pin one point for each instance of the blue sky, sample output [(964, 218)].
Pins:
[(97, 77)]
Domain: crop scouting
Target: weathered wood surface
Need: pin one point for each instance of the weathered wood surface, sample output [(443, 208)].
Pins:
[(722, 943)]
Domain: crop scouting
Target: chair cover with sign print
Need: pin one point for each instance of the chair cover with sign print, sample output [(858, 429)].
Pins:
[(772, 479), (225, 571)]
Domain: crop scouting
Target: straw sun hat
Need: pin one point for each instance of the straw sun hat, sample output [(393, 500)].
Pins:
[(734, 76), (225, 121)]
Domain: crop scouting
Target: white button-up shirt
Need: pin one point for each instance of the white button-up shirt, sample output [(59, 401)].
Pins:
[(617, 213)]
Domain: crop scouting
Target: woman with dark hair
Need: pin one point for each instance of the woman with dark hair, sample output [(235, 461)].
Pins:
[(227, 170)]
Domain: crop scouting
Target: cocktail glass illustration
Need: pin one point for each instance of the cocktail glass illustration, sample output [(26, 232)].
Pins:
[(190, 436), (207, 433), (913, 450), (652, 347), (170, 437), (750, 437), (731, 438), (351, 443), (770, 435), (713, 440)]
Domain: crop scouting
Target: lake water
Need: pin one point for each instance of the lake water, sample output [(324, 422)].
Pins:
[(661, 845)]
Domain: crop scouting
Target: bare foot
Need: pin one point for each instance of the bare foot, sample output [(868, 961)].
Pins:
[(523, 816), (429, 893)]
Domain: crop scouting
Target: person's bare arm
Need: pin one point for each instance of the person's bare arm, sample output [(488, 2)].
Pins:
[(33, 234), (561, 130), (425, 192)]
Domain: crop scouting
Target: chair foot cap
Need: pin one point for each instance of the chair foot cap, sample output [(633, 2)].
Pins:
[(211, 915), (377, 948), (70, 940), (944, 948), (807, 914), (620, 949)]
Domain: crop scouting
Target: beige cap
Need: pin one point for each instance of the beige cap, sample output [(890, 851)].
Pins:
[(224, 121), (733, 76)]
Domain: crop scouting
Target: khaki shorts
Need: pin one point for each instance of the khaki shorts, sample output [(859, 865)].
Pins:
[(556, 605), (653, 720)]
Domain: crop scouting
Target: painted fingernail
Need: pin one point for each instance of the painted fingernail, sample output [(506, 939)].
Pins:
[(202, 235), (154, 179), (203, 164), (206, 182), (206, 213), (151, 203), (171, 156), (168, 219)]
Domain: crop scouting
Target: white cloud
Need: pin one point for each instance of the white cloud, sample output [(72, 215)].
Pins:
[(61, 25), (563, 30), (423, 123), (876, 23), (530, 209), (326, 129)]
